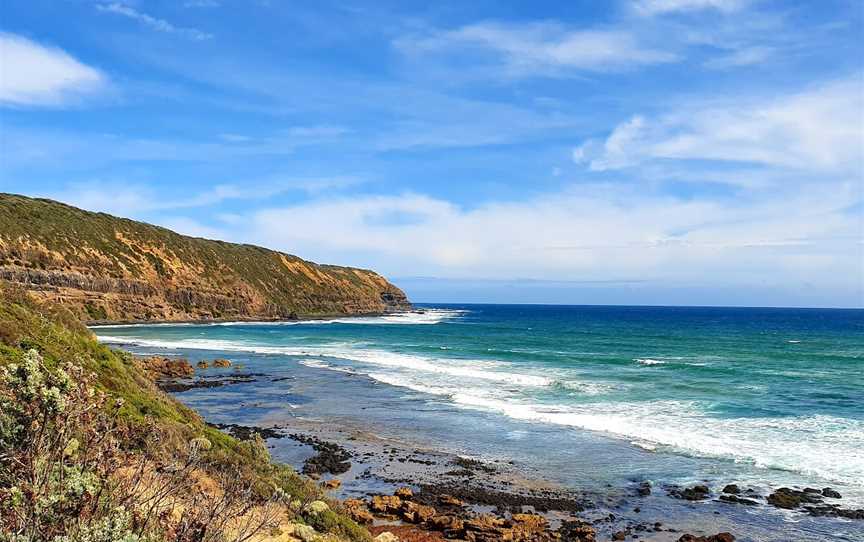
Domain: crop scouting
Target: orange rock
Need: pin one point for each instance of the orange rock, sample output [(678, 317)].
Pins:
[(450, 500), (333, 483), (386, 504), (357, 510), (158, 367), (404, 493), (449, 524), (531, 520), (416, 513)]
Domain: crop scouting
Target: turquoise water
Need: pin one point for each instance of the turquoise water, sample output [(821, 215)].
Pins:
[(766, 395)]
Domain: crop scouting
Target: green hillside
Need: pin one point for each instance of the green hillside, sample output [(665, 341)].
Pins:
[(108, 268), (92, 451)]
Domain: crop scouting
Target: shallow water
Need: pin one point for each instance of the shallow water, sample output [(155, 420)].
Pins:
[(584, 396)]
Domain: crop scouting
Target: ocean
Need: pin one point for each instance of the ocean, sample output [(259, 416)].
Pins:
[(586, 396)]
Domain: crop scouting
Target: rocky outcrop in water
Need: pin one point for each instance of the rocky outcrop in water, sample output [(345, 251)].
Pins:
[(106, 268)]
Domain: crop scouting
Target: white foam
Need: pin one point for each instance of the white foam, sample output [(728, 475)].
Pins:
[(321, 364), (482, 370), (649, 361), (588, 388), (824, 446), (421, 317)]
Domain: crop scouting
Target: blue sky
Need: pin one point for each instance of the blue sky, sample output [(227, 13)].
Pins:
[(625, 151)]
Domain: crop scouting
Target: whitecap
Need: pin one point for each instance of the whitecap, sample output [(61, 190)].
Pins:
[(428, 316), (649, 361), (586, 387)]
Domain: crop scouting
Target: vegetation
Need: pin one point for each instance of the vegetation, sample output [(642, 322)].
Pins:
[(126, 270), (92, 451)]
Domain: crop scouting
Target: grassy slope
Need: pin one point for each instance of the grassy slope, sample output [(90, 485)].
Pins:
[(46, 235), (59, 336)]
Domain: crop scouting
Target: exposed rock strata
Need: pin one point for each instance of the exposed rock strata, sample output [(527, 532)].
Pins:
[(106, 268)]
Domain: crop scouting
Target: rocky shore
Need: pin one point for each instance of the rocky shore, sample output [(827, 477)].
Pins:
[(414, 494)]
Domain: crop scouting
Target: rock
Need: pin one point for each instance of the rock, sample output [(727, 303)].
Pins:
[(450, 500), (357, 511), (333, 483), (695, 493), (530, 522), (577, 531), (644, 489), (485, 523), (828, 492), (158, 367), (732, 489), (202, 364), (305, 533), (446, 524), (331, 458), (386, 536), (833, 510), (416, 513), (527, 527), (318, 507), (790, 499), (620, 535), (386, 504), (221, 362), (404, 493), (851, 514), (720, 537), (737, 500)]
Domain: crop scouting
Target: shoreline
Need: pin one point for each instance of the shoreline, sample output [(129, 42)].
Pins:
[(305, 318), (381, 465)]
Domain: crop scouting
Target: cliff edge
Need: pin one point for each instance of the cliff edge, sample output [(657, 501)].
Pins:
[(106, 268)]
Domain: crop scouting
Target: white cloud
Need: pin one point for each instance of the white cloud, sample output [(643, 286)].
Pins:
[(747, 56), (235, 138), (201, 4), (136, 199), (33, 74), (586, 232), (655, 7), (546, 48), (318, 131), (160, 25), (821, 130)]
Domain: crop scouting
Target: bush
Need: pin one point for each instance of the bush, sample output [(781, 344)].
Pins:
[(59, 446), (65, 475), (92, 451)]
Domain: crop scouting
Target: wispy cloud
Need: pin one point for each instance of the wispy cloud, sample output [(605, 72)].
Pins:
[(815, 130), (160, 25), (318, 131), (36, 75), (541, 48), (138, 198), (745, 56), (655, 7), (201, 4), (804, 236)]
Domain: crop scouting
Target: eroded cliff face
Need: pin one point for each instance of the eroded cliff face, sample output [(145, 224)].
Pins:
[(112, 269)]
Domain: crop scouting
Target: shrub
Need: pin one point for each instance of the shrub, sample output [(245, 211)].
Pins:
[(58, 447), (66, 476)]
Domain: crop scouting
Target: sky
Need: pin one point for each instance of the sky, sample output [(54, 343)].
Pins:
[(662, 152)]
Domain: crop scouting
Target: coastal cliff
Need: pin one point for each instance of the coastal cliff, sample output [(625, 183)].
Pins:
[(106, 268)]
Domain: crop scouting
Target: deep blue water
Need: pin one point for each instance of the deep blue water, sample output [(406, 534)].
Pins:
[(583, 395)]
